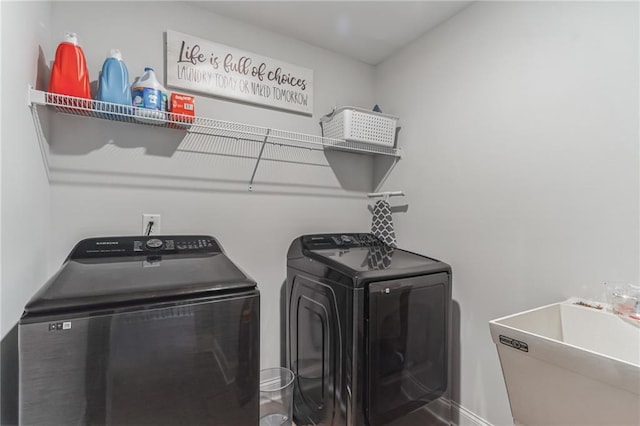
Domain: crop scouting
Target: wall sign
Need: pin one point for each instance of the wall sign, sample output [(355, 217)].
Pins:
[(211, 68)]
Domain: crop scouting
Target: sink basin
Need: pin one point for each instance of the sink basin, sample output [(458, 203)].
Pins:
[(570, 363)]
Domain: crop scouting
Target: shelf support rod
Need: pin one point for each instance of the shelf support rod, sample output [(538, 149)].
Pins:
[(255, 168)]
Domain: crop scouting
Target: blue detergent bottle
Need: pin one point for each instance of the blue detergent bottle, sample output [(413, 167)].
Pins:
[(113, 84)]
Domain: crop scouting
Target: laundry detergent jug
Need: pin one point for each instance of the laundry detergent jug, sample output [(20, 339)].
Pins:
[(113, 86), (149, 98), (69, 74)]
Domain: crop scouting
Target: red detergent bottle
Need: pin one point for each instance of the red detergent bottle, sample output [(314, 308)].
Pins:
[(69, 75)]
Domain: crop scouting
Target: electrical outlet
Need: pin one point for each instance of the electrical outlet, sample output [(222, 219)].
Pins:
[(149, 228)]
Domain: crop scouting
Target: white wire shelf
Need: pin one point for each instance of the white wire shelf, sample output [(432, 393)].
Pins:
[(202, 126)]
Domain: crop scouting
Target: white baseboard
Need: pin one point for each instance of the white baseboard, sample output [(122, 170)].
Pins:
[(456, 413)]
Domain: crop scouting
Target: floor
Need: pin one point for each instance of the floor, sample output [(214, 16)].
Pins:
[(418, 418), (421, 418)]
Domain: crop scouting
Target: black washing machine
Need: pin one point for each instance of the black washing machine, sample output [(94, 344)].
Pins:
[(142, 331), (367, 329)]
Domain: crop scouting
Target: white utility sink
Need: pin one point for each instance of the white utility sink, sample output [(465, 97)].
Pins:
[(568, 364)]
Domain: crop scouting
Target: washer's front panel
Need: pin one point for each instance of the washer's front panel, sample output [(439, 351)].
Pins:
[(188, 363)]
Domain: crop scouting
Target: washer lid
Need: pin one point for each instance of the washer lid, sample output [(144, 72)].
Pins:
[(124, 273)]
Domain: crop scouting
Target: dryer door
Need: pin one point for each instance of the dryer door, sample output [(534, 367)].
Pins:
[(407, 345), (314, 351)]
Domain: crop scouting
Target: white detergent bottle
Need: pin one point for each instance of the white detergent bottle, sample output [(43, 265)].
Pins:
[(148, 96)]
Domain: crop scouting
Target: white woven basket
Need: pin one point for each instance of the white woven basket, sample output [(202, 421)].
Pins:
[(360, 125)]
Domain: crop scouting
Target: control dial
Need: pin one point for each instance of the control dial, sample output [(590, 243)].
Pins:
[(154, 243)]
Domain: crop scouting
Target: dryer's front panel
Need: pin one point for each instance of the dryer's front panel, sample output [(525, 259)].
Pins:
[(406, 339)]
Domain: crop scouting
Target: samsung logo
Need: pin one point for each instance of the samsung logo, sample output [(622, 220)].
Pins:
[(106, 243)]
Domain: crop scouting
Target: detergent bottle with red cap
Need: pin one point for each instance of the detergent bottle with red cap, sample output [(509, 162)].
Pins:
[(69, 75)]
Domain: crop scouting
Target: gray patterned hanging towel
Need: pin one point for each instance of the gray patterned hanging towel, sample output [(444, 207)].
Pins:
[(379, 257), (382, 224)]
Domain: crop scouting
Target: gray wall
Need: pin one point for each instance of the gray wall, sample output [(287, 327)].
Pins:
[(521, 120), (105, 175), (25, 190)]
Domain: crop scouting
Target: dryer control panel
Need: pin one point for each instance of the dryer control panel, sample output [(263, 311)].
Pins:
[(144, 246), (328, 241)]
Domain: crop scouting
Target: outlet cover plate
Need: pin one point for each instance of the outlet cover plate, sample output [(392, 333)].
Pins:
[(146, 219)]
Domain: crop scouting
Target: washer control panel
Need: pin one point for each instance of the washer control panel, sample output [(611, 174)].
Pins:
[(144, 246), (329, 241)]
